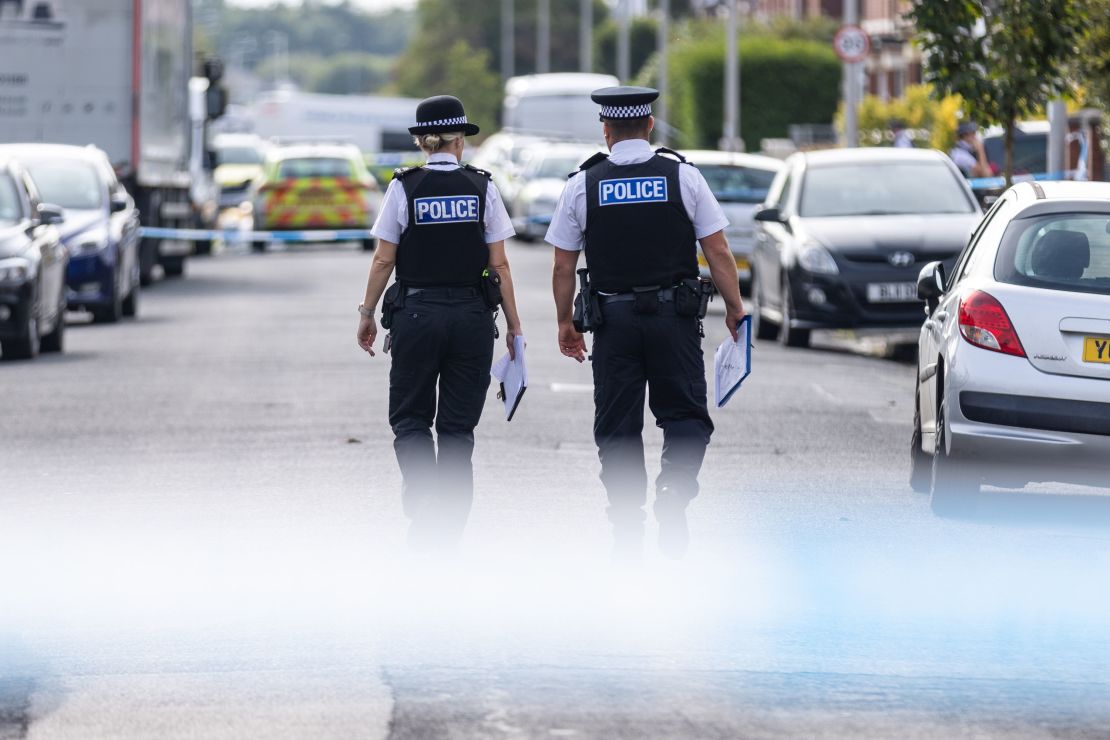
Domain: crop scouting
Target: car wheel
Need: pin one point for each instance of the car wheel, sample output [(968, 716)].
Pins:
[(920, 464), (148, 258), (111, 313), (55, 341), (369, 245), (174, 266), (258, 246), (131, 303), (202, 246), (789, 336), (954, 488), (761, 328), (23, 348)]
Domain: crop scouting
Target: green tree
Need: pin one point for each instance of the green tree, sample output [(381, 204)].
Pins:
[(1093, 64), (1005, 58), (459, 70)]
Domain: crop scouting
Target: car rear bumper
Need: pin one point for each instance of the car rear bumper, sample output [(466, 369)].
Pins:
[(1025, 424)]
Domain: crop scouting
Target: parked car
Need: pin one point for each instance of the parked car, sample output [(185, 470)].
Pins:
[(101, 227), (315, 186), (1014, 359), (238, 160), (740, 182), (842, 236), (542, 180), (503, 155), (32, 268)]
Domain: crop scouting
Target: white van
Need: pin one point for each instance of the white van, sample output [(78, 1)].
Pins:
[(555, 105)]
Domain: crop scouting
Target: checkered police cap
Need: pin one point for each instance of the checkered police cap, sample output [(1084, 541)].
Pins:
[(624, 103)]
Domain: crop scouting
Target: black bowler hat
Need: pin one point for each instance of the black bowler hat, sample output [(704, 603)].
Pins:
[(441, 115), (624, 102)]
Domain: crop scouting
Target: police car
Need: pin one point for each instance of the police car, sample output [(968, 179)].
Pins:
[(740, 183), (315, 186)]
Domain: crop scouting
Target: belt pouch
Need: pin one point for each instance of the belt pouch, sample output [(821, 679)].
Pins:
[(393, 299), (645, 301), (491, 288), (687, 298)]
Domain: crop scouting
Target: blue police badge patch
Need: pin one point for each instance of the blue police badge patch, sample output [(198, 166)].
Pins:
[(633, 190), (446, 209)]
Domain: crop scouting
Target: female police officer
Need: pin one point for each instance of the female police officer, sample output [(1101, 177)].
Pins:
[(442, 226)]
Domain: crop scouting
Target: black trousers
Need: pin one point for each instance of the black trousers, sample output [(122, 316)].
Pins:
[(442, 340), (662, 352)]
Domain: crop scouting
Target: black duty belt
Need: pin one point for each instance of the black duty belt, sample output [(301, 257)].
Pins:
[(444, 292), (665, 295)]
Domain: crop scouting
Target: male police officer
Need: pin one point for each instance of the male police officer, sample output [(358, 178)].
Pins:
[(639, 215), (443, 226)]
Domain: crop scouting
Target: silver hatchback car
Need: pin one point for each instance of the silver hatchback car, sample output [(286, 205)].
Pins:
[(1014, 356)]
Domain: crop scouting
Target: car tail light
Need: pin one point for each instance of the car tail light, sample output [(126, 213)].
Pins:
[(985, 323)]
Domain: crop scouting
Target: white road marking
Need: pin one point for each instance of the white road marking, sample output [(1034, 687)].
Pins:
[(572, 388)]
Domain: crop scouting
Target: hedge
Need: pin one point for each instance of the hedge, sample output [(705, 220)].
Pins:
[(782, 82)]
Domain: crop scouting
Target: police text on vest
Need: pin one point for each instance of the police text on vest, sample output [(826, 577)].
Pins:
[(633, 190), (446, 209)]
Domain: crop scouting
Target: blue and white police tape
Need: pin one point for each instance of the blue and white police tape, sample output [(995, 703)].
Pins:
[(235, 235), (998, 183)]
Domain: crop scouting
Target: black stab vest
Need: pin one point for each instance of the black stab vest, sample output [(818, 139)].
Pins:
[(444, 243), (637, 230)]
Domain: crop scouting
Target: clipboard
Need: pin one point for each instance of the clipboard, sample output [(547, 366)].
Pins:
[(733, 362), (512, 375)]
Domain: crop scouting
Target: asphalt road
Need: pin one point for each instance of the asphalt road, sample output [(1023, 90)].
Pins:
[(201, 537)]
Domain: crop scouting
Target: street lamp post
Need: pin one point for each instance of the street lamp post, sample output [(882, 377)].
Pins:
[(543, 36), (586, 36), (507, 50), (623, 63), (664, 80), (851, 82), (730, 139)]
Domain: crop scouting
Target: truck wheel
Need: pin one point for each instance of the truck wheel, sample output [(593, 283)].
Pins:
[(369, 245), (174, 266), (202, 246), (23, 348)]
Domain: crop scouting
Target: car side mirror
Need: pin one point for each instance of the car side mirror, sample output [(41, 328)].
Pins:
[(773, 215), (931, 284), (50, 214), (117, 203)]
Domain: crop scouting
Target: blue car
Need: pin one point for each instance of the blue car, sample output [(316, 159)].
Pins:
[(100, 230)]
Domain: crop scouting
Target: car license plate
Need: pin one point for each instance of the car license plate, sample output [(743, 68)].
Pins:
[(1096, 349), (892, 292)]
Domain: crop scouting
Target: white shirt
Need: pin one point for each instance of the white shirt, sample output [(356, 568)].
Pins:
[(568, 225), (393, 218)]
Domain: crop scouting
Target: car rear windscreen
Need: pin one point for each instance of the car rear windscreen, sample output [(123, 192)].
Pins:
[(9, 201), (313, 167), (731, 184), (882, 189), (238, 155), (68, 183), (1060, 251)]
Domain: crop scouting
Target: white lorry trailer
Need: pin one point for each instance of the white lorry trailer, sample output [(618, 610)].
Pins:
[(114, 73)]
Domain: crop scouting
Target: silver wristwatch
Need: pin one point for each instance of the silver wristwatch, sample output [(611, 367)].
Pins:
[(367, 312)]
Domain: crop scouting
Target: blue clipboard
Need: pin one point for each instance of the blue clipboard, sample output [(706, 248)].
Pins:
[(733, 362)]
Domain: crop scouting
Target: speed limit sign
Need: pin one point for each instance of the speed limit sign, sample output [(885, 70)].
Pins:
[(852, 44)]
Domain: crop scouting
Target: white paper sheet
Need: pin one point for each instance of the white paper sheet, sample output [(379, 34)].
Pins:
[(513, 377), (733, 362)]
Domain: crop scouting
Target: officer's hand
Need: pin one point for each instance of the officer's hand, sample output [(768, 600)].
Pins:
[(367, 333), (733, 319), (571, 342), (510, 339)]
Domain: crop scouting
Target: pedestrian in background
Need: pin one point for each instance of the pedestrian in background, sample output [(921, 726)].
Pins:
[(901, 138), (969, 154), (443, 227), (638, 215)]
